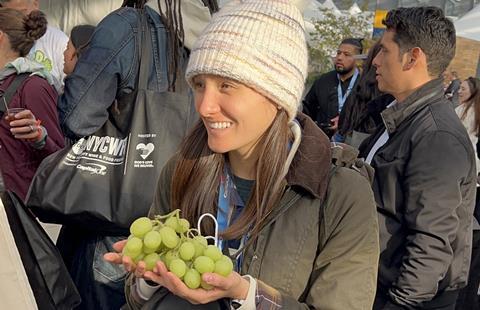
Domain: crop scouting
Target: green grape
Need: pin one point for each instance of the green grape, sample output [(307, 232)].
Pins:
[(205, 285), (213, 252), (169, 257), (200, 244), (169, 237), (138, 258), (133, 248), (147, 250), (172, 222), (151, 260), (141, 226), (203, 241), (152, 240), (178, 267), (187, 251), (183, 226), (204, 264), (224, 266), (192, 278), (199, 248)]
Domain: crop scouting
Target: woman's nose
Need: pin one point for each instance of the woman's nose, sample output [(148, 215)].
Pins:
[(207, 103)]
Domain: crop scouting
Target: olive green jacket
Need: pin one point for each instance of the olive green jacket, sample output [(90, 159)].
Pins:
[(320, 248)]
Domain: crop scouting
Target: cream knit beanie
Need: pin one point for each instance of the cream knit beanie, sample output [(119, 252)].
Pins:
[(260, 43)]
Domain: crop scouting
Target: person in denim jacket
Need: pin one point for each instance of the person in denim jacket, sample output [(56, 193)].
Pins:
[(107, 71)]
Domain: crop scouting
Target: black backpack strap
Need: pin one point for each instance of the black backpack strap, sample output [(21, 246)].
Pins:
[(11, 90)]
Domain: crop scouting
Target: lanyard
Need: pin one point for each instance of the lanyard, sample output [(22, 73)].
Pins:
[(223, 212), (227, 196), (343, 98)]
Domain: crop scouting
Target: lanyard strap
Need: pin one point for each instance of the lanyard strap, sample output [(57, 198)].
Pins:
[(223, 206), (224, 212), (343, 98)]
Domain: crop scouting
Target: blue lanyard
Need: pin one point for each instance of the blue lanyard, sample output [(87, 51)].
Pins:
[(225, 200), (343, 98), (223, 206)]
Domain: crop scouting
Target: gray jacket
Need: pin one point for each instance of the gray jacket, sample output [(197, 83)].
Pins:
[(425, 190)]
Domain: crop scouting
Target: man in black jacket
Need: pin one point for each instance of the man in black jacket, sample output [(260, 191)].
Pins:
[(424, 167), (329, 92)]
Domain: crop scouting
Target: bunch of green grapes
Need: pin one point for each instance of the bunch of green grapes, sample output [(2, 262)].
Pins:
[(182, 249)]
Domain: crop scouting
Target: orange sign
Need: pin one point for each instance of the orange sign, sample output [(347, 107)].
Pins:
[(379, 16)]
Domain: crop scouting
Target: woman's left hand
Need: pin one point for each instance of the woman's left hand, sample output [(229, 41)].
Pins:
[(234, 286)]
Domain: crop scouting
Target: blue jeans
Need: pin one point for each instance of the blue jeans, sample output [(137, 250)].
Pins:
[(100, 284)]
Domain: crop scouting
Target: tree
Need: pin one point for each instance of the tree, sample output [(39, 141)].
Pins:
[(329, 32)]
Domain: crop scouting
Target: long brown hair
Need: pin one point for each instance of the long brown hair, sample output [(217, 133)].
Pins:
[(356, 108), (196, 178), (473, 102), (22, 31)]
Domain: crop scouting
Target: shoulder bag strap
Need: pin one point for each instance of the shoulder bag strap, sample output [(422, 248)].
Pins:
[(11, 90), (146, 51)]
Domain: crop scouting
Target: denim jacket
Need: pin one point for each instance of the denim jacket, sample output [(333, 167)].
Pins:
[(108, 70)]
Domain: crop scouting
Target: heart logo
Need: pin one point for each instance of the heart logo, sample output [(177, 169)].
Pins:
[(145, 150)]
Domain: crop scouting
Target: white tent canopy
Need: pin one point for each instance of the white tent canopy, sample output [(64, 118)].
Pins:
[(354, 9), (468, 26), (328, 4)]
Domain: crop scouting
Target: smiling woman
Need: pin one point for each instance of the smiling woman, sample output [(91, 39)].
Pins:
[(225, 107), (264, 171)]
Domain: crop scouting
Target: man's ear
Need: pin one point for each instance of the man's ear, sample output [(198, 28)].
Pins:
[(412, 57)]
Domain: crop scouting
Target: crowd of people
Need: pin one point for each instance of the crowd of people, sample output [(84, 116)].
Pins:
[(285, 171)]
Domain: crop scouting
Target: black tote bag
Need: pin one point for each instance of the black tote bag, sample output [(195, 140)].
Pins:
[(106, 180), (48, 277)]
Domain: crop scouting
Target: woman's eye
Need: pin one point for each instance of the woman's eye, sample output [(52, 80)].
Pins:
[(226, 86), (197, 85)]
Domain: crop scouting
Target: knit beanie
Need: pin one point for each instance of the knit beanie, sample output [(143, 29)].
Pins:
[(260, 43), (80, 35)]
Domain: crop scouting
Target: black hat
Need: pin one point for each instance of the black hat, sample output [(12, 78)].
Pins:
[(80, 36)]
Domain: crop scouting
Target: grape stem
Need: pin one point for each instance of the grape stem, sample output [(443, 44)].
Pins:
[(175, 213)]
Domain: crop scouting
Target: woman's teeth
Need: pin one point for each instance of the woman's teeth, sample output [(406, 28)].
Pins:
[(220, 125)]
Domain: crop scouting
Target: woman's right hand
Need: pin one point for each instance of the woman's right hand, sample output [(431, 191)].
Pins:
[(117, 258)]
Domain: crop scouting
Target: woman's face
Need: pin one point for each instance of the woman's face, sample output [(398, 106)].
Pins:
[(464, 92), (69, 58), (235, 115)]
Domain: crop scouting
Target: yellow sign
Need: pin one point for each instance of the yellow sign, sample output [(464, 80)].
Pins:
[(379, 16)]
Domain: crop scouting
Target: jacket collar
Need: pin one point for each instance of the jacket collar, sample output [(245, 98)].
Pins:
[(427, 93), (311, 165)]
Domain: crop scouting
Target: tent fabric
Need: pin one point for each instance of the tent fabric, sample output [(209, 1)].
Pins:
[(66, 14), (468, 25), (354, 9)]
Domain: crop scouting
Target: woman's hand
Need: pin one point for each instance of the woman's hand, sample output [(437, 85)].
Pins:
[(129, 265), (234, 286), (24, 126)]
